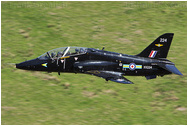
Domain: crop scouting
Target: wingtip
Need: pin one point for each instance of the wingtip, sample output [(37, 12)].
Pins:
[(131, 83), (180, 74)]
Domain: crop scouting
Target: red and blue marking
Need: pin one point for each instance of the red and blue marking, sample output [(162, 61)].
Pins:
[(132, 66), (152, 54)]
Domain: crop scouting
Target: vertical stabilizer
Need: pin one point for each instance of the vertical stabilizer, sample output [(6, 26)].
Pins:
[(158, 48)]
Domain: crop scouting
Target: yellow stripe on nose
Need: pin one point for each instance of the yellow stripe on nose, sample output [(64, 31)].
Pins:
[(44, 65)]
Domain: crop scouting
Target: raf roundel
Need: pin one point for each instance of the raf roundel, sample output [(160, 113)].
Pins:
[(132, 66)]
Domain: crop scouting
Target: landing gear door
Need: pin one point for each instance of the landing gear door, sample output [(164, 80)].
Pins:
[(61, 65)]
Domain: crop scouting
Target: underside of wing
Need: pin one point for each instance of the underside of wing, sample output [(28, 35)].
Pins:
[(123, 80), (110, 75)]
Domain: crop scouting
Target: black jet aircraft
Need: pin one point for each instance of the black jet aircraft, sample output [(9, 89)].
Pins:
[(151, 62)]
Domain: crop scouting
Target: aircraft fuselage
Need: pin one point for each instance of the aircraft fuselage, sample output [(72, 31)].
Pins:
[(95, 59), (151, 62)]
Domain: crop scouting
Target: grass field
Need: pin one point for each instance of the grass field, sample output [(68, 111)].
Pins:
[(29, 29)]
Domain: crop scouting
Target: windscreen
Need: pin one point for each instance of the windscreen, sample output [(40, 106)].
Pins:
[(63, 51)]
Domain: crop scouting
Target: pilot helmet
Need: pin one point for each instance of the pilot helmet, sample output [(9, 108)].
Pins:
[(81, 50), (59, 54), (53, 54), (76, 50)]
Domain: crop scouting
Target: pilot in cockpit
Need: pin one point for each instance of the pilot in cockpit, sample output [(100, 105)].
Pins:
[(76, 50), (81, 50), (59, 54), (53, 54), (68, 53)]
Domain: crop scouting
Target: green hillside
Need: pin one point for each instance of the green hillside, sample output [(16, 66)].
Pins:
[(29, 29)]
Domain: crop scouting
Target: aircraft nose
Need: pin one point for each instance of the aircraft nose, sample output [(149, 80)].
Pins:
[(21, 65), (26, 64), (29, 65)]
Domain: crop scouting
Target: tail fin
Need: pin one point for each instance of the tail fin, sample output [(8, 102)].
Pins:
[(158, 48)]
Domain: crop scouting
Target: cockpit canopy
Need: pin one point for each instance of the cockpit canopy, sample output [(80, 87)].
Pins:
[(63, 51)]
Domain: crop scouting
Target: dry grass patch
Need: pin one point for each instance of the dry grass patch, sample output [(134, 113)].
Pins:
[(51, 13), (139, 32), (22, 31), (89, 94), (45, 76), (124, 41), (66, 85), (7, 108), (181, 109), (112, 92)]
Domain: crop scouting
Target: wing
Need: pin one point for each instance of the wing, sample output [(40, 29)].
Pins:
[(110, 75)]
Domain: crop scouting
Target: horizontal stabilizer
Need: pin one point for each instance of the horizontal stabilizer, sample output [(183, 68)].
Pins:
[(171, 68)]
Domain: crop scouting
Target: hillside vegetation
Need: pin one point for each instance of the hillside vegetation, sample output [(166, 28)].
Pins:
[(29, 29)]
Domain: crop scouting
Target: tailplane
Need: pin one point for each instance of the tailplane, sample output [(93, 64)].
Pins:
[(171, 68), (158, 48)]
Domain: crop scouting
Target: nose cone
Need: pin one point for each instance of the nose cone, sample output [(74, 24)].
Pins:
[(22, 65), (30, 64)]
